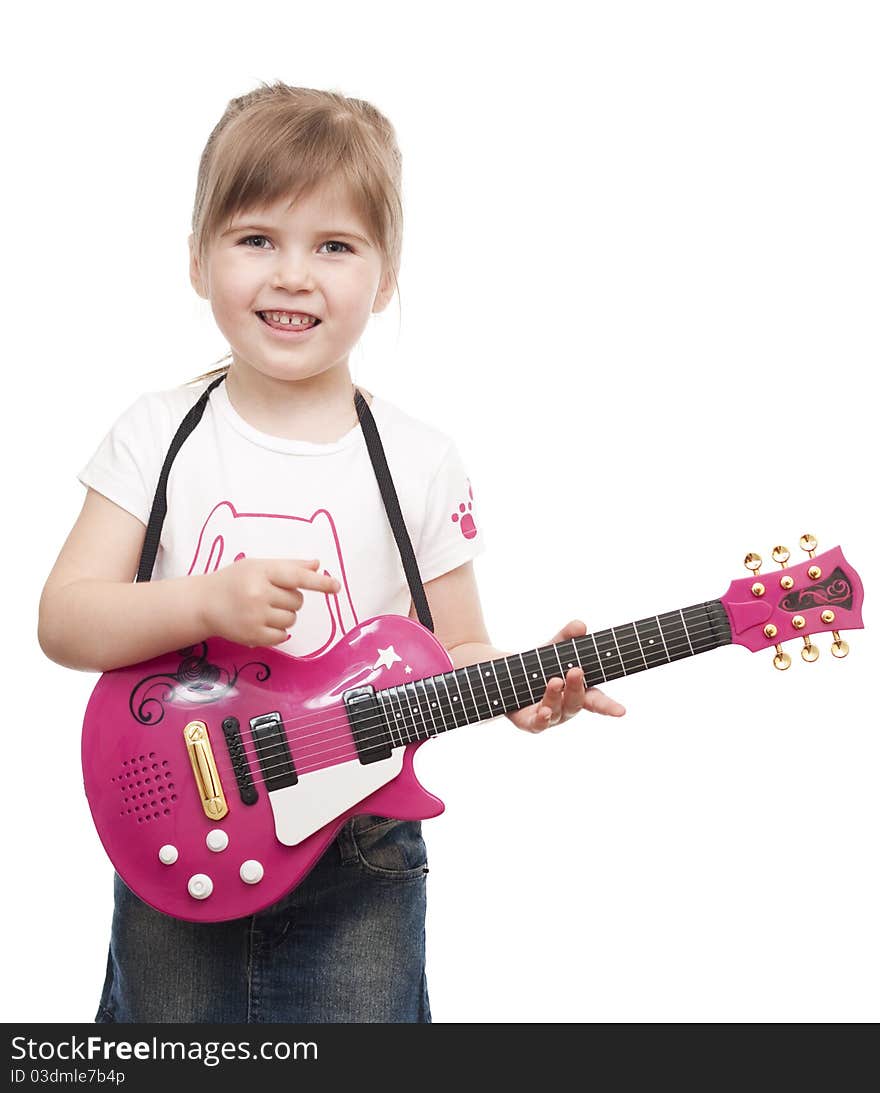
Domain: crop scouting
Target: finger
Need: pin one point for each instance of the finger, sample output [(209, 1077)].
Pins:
[(573, 695), (290, 574), (598, 702), (552, 702), (285, 599), (574, 629), (279, 619)]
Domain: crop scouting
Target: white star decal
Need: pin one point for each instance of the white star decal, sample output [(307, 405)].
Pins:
[(386, 657), (408, 670)]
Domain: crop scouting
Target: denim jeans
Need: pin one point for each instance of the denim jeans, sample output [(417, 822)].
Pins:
[(347, 945)]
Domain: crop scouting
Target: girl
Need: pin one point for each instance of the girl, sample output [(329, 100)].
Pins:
[(296, 240)]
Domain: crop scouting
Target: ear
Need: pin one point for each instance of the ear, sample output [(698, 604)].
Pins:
[(384, 292), (195, 274)]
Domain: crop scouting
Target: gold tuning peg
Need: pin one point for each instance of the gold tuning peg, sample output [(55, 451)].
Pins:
[(810, 652), (782, 660), (781, 555), (753, 563), (809, 544), (839, 647)]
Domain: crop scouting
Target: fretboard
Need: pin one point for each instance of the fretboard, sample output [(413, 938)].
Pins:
[(426, 707)]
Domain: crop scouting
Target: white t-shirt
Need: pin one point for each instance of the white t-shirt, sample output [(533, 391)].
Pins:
[(236, 492)]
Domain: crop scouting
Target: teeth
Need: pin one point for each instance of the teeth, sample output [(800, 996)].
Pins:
[(287, 319)]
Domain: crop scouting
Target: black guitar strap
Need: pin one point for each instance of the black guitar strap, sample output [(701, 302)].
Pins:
[(380, 468)]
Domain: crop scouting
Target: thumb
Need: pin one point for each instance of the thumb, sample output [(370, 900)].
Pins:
[(574, 629)]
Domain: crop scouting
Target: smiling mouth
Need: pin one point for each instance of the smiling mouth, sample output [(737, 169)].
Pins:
[(287, 328)]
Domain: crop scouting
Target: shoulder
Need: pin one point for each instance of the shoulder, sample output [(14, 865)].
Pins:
[(411, 432), (157, 414), (171, 404)]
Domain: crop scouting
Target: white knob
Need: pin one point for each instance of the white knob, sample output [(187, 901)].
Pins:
[(200, 886), (168, 854), (251, 872), (217, 840)]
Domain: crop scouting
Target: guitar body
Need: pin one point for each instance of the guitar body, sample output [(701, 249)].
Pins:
[(142, 782), (218, 775)]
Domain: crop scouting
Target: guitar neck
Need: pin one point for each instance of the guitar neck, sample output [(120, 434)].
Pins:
[(478, 692)]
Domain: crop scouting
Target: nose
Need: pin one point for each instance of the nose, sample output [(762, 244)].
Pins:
[(292, 271)]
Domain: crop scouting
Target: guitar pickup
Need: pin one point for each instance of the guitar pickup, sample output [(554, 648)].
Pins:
[(273, 752), (371, 737)]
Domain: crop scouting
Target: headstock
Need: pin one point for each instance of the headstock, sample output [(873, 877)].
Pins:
[(823, 594)]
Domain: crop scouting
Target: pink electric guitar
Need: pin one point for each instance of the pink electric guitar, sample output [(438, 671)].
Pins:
[(217, 775)]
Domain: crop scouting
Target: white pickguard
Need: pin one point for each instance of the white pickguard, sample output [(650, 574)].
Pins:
[(322, 795)]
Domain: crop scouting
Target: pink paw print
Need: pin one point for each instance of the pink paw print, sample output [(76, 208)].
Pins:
[(463, 517)]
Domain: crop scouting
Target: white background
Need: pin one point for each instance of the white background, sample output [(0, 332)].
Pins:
[(639, 288)]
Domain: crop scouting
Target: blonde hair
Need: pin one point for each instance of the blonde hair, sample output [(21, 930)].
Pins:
[(279, 141)]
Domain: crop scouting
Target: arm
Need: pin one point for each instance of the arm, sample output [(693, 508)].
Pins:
[(458, 623), (92, 617)]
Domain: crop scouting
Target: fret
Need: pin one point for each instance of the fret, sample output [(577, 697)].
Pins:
[(398, 713), (555, 649), (674, 635), (639, 642), (414, 722), (458, 715), (628, 646), (612, 665), (520, 680), (393, 728), (699, 628), (430, 704), (686, 634), (501, 705), (471, 709), (407, 720), (651, 641), (421, 724), (511, 701), (491, 687), (443, 703), (568, 655), (610, 631), (588, 655), (527, 677), (479, 691), (534, 674), (549, 663)]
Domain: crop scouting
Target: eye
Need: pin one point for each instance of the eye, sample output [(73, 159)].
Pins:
[(336, 243), (248, 238)]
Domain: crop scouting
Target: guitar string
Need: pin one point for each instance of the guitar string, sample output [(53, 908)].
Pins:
[(388, 730), (694, 629), (338, 718)]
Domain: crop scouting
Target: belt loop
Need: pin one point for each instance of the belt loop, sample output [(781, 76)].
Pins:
[(346, 843)]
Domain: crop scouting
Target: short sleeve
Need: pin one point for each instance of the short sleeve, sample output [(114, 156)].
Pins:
[(451, 532), (125, 467)]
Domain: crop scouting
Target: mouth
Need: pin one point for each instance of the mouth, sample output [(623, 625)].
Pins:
[(289, 329)]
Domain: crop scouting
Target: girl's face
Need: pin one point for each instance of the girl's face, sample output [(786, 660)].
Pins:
[(313, 257)]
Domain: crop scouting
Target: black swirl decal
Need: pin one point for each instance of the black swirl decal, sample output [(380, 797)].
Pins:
[(835, 591), (196, 680)]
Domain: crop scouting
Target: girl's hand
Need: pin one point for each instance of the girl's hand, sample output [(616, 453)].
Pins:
[(563, 701), (255, 601)]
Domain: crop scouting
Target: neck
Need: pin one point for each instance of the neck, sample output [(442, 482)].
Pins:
[(317, 408), (425, 707)]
